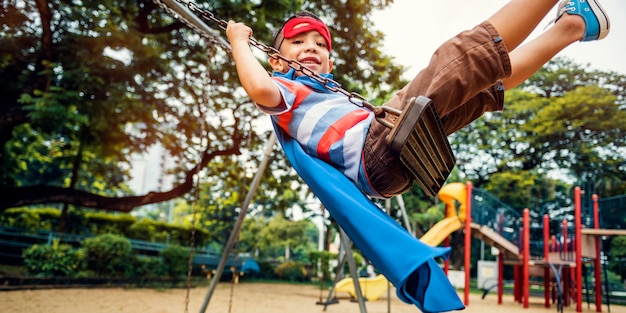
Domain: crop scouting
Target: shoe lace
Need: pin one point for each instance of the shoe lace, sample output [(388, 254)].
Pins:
[(563, 7)]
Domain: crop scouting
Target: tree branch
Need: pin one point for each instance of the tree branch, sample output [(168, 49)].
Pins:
[(23, 196)]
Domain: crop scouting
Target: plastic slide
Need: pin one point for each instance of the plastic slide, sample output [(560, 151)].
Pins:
[(450, 194), (442, 230), (371, 288)]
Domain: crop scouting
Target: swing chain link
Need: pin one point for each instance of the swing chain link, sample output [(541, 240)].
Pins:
[(211, 37), (273, 53)]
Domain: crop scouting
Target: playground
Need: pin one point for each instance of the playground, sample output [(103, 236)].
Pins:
[(526, 250), (549, 251), (246, 298)]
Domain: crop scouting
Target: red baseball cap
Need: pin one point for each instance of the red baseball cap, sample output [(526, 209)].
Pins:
[(306, 24)]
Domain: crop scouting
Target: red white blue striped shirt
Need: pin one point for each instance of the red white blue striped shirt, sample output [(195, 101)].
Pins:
[(325, 123)]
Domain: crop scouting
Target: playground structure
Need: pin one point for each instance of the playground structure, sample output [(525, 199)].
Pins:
[(553, 258)]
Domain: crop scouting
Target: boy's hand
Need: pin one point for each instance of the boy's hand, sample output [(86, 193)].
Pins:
[(253, 77), (238, 32)]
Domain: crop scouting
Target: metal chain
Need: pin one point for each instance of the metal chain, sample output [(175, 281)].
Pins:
[(215, 39), (273, 53)]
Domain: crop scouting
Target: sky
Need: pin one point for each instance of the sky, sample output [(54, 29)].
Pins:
[(415, 28)]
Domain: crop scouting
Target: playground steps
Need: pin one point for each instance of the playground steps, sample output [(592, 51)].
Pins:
[(492, 238)]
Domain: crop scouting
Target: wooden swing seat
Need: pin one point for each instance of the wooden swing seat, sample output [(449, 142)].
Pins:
[(418, 139)]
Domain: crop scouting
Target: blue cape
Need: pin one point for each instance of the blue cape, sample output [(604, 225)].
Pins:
[(406, 262)]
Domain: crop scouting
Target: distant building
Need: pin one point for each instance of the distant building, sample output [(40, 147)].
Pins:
[(149, 171)]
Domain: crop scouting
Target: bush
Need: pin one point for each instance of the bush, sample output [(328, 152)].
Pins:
[(101, 223), (108, 255), (148, 230), (149, 267), (291, 271), (140, 268), (56, 260), (323, 258), (36, 219), (266, 270), (175, 260)]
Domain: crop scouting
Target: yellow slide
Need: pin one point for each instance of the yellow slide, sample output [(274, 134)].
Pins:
[(371, 288), (450, 195), (442, 230)]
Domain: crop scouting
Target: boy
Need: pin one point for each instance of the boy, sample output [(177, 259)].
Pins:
[(466, 77)]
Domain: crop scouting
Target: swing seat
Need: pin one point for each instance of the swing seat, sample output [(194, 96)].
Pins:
[(417, 138)]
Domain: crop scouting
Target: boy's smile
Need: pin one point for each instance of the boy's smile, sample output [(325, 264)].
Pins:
[(309, 48)]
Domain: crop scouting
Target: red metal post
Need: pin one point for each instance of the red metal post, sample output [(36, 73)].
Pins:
[(566, 270), (500, 276), (546, 252), (468, 240), (579, 258), (526, 258), (596, 264)]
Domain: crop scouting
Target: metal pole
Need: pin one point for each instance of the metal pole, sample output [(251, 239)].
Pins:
[(405, 217), (546, 258), (352, 266), (526, 258), (597, 262), (269, 147), (467, 241), (578, 247)]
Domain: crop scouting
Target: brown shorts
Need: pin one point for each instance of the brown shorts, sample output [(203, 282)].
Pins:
[(462, 79)]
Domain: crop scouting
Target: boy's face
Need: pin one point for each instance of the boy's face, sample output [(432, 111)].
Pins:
[(308, 47)]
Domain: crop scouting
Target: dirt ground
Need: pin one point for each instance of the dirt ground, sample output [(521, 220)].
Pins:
[(246, 297)]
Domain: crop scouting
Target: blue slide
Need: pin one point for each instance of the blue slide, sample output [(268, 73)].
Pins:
[(406, 262)]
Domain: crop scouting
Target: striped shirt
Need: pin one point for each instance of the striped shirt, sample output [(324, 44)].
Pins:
[(325, 123)]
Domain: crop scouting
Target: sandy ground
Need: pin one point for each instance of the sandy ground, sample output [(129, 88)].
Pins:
[(246, 297)]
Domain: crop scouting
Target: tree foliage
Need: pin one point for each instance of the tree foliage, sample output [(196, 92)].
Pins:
[(88, 85), (618, 255), (277, 237), (565, 122)]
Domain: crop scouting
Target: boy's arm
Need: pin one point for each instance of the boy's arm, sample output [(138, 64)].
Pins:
[(252, 74)]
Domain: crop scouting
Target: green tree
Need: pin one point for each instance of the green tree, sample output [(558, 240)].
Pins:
[(86, 85), (279, 236), (566, 118), (525, 189), (249, 236), (618, 256)]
